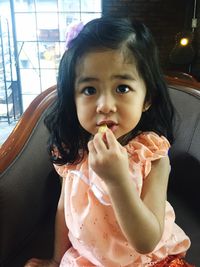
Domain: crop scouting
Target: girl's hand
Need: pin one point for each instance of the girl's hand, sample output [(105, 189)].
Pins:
[(41, 263), (108, 158)]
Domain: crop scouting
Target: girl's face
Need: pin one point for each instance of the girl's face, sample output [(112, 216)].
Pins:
[(109, 90)]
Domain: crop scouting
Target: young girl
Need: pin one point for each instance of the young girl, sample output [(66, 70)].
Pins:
[(113, 210)]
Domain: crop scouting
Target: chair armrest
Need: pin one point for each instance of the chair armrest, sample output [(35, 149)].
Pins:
[(17, 139)]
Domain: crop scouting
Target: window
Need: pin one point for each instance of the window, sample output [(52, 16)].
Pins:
[(41, 27)]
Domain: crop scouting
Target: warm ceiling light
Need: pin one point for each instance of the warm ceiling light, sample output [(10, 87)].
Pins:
[(184, 41)]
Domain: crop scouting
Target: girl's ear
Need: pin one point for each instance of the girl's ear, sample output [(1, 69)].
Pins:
[(146, 106)]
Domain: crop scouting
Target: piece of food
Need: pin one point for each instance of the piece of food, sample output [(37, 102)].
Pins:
[(102, 129)]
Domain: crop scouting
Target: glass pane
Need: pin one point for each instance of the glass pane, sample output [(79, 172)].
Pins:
[(48, 78), (72, 17), (5, 9), (8, 73), (65, 22), (24, 6), (91, 6), (62, 25), (30, 81), (46, 6), (48, 35), (25, 27), (50, 54), (85, 17), (28, 55), (48, 21), (27, 99), (42, 26), (69, 5)]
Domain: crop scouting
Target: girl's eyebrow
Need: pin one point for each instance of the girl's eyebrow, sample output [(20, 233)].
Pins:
[(124, 77), (113, 77), (86, 79)]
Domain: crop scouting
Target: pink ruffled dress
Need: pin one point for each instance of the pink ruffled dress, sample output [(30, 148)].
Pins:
[(95, 235)]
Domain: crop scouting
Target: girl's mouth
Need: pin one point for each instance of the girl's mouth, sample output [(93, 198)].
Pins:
[(110, 124), (113, 127)]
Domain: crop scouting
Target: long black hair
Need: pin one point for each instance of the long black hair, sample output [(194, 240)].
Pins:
[(134, 38)]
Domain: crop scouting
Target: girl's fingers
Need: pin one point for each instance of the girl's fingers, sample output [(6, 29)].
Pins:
[(113, 144), (102, 143), (91, 147), (98, 143), (111, 139)]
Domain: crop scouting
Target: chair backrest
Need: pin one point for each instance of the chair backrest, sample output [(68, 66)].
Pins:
[(186, 81), (183, 189), (185, 152), (29, 187)]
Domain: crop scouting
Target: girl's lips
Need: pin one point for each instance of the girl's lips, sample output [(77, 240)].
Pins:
[(113, 127)]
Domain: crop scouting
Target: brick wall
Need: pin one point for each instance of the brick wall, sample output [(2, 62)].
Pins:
[(165, 18)]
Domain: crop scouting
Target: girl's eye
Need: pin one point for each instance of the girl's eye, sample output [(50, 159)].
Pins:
[(89, 91), (122, 89)]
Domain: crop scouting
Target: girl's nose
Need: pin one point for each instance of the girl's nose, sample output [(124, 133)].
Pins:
[(106, 104)]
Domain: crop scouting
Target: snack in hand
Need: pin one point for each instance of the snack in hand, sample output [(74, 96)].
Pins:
[(102, 129)]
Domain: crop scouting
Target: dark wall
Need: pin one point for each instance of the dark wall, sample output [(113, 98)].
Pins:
[(196, 63), (165, 18)]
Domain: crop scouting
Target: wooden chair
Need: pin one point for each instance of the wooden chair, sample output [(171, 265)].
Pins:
[(30, 188), (182, 79)]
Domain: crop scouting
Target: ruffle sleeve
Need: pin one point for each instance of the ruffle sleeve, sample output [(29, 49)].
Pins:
[(145, 148)]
